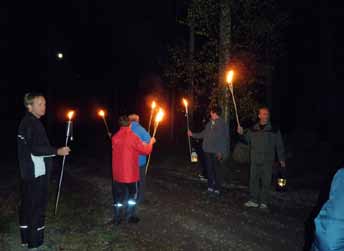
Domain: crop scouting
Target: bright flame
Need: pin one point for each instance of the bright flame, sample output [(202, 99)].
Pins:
[(230, 76), (101, 113), (185, 102), (159, 116), (70, 115), (153, 105)]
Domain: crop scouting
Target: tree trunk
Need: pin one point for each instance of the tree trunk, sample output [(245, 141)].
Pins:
[(191, 70), (173, 111), (224, 57)]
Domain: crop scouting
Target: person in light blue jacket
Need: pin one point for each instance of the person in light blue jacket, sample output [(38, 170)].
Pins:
[(145, 137), (329, 224)]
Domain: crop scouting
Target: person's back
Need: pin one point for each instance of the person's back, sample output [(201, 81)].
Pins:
[(126, 149)]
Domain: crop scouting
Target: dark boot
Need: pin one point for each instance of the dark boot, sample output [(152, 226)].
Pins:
[(117, 213), (130, 214)]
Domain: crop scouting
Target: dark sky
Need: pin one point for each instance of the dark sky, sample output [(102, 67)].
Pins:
[(108, 43)]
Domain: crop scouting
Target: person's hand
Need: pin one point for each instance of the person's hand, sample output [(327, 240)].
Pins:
[(219, 156), (63, 151), (282, 162), (152, 141), (189, 133), (240, 130)]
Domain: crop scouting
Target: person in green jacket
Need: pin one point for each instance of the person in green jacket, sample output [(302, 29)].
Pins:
[(264, 142)]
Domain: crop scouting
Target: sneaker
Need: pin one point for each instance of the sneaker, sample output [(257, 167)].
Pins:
[(210, 190), (251, 204), (217, 192), (263, 206), (202, 178)]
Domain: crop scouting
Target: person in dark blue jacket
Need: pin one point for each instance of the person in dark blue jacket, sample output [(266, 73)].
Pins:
[(329, 224), (145, 137)]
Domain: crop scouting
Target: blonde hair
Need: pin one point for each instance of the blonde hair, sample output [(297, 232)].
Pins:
[(30, 96)]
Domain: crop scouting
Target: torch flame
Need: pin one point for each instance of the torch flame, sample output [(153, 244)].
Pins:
[(70, 115), (101, 113), (159, 116), (230, 76), (185, 102), (153, 105)]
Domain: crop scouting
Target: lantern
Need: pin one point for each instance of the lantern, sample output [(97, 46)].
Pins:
[(281, 181), (194, 156)]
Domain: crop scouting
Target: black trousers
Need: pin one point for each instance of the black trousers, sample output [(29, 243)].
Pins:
[(142, 184), (125, 196), (213, 171), (32, 211)]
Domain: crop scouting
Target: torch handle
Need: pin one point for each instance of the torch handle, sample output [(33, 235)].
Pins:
[(188, 128), (60, 184), (63, 165), (68, 131), (106, 126), (235, 107), (150, 121), (149, 156)]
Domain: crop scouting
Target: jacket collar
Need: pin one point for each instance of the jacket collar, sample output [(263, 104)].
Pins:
[(267, 127)]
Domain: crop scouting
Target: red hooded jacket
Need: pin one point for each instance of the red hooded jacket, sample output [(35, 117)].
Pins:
[(126, 148)]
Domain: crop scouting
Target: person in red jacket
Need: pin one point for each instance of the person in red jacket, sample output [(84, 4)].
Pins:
[(126, 148)]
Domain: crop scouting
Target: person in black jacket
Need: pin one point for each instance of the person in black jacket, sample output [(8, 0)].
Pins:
[(35, 160)]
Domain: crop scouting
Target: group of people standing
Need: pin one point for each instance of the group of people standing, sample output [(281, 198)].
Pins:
[(265, 144), (130, 145)]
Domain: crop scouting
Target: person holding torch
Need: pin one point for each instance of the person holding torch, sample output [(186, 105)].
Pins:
[(215, 140), (145, 137), (264, 141), (35, 160), (126, 148)]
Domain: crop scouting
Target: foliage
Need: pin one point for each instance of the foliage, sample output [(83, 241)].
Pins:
[(257, 40)]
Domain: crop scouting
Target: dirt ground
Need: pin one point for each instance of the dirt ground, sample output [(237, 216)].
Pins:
[(177, 215)]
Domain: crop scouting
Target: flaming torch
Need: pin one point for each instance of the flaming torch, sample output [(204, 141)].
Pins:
[(69, 135), (229, 80), (158, 118), (193, 155), (153, 106), (101, 113)]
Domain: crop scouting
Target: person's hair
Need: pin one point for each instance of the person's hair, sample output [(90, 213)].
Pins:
[(134, 117), (216, 109), (123, 121), (30, 96), (263, 107)]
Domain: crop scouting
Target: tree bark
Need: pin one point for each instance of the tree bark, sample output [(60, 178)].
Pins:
[(224, 58)]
